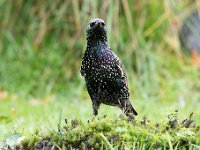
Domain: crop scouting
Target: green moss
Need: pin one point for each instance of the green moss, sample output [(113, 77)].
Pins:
[(107, 133)]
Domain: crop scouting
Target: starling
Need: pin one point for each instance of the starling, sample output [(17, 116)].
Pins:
[(104, 75)]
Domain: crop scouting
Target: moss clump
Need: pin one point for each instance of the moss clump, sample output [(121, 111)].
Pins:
[(120, 133)]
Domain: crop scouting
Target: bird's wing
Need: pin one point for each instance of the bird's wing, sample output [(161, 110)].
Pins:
[(117, 78), (121, 72), (121, 77)]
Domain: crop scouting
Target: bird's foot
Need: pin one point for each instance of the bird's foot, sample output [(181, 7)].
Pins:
[(131, 117), (94, 118), (122, 115)]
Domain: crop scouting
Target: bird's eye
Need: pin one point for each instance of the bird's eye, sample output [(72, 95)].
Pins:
[(92, 24), (102, 23)]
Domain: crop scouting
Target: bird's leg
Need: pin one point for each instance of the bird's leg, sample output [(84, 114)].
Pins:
[(95, 103), (122, 114), (95, 108), (122, 106), (123, 110)]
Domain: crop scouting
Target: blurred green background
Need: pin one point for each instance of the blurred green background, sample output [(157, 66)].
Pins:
[(42, 44)]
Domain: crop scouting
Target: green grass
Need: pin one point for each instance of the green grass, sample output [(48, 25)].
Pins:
[(41, 46)]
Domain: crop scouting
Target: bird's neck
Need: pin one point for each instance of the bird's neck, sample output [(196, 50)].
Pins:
[(96, 38), (96, 44)]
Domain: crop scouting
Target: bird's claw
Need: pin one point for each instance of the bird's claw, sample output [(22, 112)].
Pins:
[(94, 118), (122, 115)]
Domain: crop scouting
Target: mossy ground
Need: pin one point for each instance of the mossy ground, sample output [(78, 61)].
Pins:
[(119, 133)]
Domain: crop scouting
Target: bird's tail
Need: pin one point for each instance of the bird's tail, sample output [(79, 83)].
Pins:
[(129, 111)]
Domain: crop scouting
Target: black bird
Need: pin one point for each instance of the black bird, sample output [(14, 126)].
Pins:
[(104, 75)]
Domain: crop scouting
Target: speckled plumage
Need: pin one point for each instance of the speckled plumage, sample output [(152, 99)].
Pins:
[(105, 78)]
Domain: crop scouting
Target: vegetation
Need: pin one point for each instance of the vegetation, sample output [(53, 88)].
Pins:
[(41, 46), (120, 133)]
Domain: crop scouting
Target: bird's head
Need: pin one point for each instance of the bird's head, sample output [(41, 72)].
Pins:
[(96, 29)]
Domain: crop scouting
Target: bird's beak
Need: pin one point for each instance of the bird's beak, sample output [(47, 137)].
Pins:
[(99, 24)]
